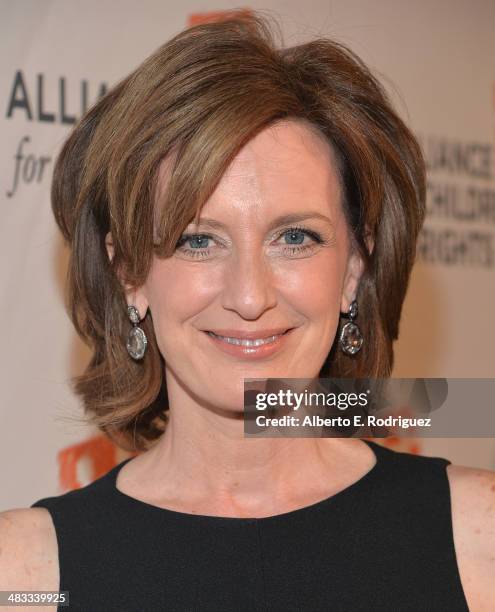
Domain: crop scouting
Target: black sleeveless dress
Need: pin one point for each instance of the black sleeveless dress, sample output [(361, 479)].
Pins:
[(383, 544)]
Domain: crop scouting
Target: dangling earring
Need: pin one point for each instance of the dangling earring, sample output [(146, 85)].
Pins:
[(136, 340), (351, 339)]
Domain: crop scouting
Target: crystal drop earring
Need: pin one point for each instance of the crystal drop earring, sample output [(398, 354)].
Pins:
[(351, 338), (136, 340)]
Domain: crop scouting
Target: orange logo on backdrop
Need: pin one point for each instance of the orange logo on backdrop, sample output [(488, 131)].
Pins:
[(196, 18), (99, 452), (403, 445)]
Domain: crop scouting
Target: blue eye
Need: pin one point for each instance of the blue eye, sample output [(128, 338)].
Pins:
[(296, 235), (198, 241)]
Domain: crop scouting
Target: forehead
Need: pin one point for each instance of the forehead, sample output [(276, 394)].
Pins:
[(287, 142), (288, 167)]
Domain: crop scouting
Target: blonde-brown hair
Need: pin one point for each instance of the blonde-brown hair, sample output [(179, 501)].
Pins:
[(198, 99)]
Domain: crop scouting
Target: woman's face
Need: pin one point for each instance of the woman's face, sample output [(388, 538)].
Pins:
[(270, 254)]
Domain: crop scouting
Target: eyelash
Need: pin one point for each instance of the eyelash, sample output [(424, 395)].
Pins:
[(197, 253)]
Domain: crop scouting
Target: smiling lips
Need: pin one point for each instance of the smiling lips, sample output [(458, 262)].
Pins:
[(250, 345)]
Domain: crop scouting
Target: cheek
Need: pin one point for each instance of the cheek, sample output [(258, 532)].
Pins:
[(175, 295), (313, 286)]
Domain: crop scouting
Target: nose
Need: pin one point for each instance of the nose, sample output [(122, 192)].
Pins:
[(249, 288)]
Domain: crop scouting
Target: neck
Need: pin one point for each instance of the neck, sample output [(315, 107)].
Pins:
[(203, 459)]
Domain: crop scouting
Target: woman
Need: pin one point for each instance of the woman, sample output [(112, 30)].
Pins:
[(226, 205)]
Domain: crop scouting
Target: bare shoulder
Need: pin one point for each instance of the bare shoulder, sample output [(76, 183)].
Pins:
[(28, 550), (473, 520)]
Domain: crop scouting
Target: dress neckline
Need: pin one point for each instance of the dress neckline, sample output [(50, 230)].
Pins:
[(365, 480)]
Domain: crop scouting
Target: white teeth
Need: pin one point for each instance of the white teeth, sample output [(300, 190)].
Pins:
[(242, 342)]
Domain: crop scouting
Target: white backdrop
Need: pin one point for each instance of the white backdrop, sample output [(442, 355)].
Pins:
[(436, 58)]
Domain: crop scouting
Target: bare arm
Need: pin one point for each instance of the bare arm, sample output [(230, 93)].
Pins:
[(473, 520), (28, 552)]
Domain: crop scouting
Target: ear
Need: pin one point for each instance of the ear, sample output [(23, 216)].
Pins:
[(353, 273), (134, 296)]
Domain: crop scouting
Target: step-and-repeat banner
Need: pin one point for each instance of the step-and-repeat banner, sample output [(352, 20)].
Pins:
[(58, 57)]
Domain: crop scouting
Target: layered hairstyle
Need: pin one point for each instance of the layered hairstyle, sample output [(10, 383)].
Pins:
[(197, 101)]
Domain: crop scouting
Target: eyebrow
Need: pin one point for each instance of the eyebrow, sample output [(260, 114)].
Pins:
[(282, 220)]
